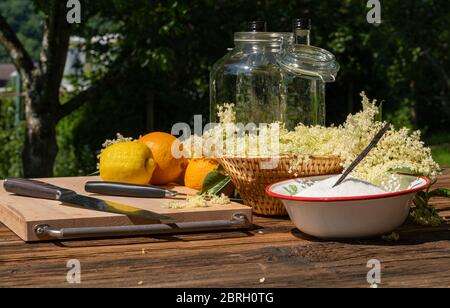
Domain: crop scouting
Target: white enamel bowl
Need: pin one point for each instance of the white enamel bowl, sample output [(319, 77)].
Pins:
[(348, 217)]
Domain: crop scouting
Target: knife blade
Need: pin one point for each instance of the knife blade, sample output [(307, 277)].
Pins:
[(42, 190)]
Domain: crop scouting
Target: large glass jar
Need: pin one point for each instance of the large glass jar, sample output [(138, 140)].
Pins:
[(250, 77)]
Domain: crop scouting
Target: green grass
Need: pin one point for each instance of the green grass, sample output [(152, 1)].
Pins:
[(441, 154), (440, 148)]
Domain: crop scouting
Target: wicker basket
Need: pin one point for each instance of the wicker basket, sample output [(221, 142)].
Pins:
[(251, 181)]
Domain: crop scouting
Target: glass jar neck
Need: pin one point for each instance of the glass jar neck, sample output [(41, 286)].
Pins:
[(309, 61), (259, 41), (302, 36), (257, 47)]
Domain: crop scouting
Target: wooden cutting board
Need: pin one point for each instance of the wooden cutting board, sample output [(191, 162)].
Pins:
[(22, 214)]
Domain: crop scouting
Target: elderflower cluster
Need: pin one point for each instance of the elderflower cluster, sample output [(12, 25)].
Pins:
[(226, 113), (201, 200), (234, 139), (397, 149)]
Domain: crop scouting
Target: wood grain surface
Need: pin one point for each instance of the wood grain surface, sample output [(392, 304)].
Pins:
[(22, 214), (273, 254)]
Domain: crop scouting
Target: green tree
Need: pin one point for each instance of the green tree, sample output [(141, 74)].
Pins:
[(169, 46), (26, 22), (11, 139), (42, 81)]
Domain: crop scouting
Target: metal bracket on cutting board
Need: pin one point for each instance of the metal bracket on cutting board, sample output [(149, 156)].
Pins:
[(238, 220)]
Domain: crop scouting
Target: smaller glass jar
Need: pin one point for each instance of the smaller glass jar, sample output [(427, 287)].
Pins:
[(306, 70)]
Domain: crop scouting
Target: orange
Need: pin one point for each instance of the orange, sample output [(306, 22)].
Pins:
[(168, 168), (197, 170)]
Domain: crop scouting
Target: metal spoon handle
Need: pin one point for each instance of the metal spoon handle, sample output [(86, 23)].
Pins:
[(364, 153)]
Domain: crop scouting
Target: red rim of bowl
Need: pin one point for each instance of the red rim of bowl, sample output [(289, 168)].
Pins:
[(319, 199)]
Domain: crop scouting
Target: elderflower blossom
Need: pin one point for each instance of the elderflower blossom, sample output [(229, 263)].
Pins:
[(202, 200), (226, 113), (190, 202), (397, 149), (234, 139), (220, 200)]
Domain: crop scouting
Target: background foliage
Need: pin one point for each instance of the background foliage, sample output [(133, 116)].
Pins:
[(403, 62)]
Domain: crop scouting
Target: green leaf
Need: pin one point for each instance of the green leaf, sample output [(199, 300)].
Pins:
[(379, 116), (422, 194), (291, 189), (439, 192), (426, 216), (220, 168), (219, 187), (405, 170), (421, 199), (215, 182)]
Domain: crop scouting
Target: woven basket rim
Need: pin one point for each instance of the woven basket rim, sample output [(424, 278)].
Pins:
[(276, 156)]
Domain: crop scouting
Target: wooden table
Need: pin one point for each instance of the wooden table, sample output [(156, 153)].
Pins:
[(274, 254)]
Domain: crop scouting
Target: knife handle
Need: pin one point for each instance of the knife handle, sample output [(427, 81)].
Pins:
[(127, 190), (34, 188)]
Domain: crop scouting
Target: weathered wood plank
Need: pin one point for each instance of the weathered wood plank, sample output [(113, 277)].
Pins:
[(276, 251), (313, 264)]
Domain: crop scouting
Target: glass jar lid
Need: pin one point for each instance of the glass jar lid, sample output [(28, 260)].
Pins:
[(310, 62)]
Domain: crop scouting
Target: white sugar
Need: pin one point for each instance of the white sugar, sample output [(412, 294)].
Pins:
[(348, 188)]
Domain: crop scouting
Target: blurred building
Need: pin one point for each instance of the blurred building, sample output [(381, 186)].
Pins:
[(75, 64), (78, 61), (6, 74)]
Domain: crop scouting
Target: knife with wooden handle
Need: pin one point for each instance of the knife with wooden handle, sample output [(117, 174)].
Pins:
[(128, 190), (42, 190)]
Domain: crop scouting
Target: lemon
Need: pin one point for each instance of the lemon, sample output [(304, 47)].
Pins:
[(127, 162)]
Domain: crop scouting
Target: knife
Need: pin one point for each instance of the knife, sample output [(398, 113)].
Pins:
[(128, 190), (42, 190), (135, 190)]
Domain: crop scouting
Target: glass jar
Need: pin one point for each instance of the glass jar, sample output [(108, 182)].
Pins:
[(269, 78), (306, 70), (250, 77)]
